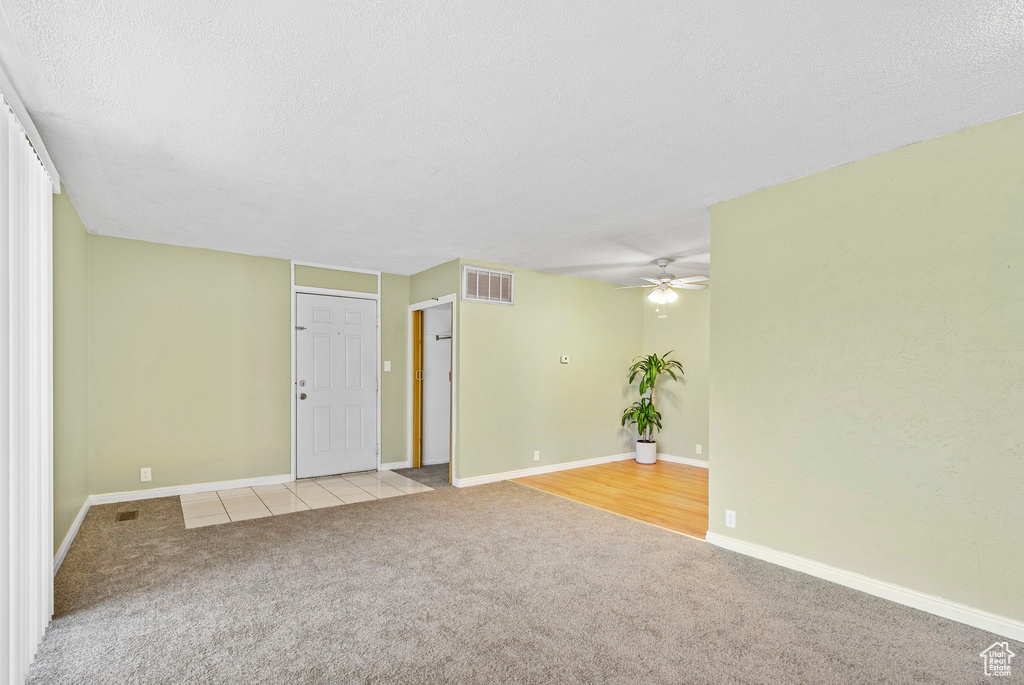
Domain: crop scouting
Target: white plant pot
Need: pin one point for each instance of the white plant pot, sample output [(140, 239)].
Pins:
[(646, 452)]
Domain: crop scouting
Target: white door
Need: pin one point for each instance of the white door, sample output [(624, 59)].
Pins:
[(336, 385)]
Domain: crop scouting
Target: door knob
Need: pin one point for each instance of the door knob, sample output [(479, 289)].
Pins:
[(302, 396)]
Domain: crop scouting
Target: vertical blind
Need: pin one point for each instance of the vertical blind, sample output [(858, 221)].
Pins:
[(26, 400)]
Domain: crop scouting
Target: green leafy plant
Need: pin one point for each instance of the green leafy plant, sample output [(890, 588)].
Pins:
[(648, 368), (645, 416)]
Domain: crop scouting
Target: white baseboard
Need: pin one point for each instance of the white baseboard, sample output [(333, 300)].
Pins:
[(993, 623), (506, 475), (172, 490), (536, 470), (392, 465), (702, 463), (65, 545)]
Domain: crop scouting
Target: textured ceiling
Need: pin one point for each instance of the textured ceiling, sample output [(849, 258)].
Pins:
[(579, 136)]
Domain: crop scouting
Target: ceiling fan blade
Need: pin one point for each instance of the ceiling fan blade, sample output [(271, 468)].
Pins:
[(690, 286), (623, 287), (689, 279), (655, 281)]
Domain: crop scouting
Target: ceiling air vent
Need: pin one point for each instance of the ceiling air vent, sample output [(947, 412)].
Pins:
[(486, 285)]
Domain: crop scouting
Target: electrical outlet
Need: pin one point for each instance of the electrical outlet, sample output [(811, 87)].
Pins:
[(564, 359), (146, 474), (536, 455), (730, 518), (387, 366), (700, 449)]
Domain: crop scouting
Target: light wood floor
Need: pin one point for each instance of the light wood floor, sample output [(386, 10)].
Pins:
[(669, 495)]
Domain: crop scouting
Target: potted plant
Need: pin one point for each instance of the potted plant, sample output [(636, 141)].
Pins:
[(642, 413)]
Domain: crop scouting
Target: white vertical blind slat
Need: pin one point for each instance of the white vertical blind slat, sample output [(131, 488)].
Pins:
[(29, 393), (45, 187), (19, 629), (26, 405), (6, 483)]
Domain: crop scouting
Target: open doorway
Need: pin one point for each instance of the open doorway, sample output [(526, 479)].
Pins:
[(436, 378), (432, 378)]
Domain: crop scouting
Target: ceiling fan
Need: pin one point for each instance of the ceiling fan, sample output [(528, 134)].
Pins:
[(662, 285)]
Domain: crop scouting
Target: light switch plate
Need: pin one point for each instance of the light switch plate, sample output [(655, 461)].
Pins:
[(387, 366)]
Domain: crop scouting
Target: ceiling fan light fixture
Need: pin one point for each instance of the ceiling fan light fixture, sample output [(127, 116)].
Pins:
[(663, 285), (663, 296)]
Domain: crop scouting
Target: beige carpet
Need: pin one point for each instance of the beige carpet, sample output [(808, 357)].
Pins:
[(492, 584)]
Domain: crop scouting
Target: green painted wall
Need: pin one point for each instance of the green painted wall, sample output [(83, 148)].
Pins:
[(514, 395), (313, 277), (394, 322), (867, 364), (70, 367), (685, 329), (189, 365), (443, 279), (191, 369)]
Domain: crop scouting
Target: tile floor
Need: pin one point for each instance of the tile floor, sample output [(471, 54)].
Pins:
[(223, 506)]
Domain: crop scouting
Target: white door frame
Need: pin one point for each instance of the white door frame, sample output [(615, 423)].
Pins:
[(295, 289), (427, 304)]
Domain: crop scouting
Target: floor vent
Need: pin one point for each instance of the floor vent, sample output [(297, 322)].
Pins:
[(127, 515)]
